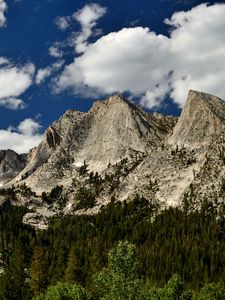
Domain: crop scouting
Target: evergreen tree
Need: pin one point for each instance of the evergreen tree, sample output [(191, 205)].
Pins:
[(14, 280), (38, 271), (73, 271)]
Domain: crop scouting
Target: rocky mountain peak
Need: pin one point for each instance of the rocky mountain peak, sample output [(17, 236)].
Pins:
[(112, 130), (202, 119), (11, 163), (116, 100), (216, 104)]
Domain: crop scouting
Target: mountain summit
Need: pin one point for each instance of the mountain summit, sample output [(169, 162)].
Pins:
[(202, 119)]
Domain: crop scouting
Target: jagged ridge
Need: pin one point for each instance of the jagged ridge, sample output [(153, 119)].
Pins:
[(135, 152), (112, 130)]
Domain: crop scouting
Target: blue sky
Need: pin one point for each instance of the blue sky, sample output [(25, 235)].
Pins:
[(62, 54)]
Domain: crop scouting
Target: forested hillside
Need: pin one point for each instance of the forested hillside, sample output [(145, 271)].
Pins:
[(74, 248)]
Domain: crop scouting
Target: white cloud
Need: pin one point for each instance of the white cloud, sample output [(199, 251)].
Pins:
[(14, 81), (22, 138), (28, 127), (63, 22), (44, 73), (3, 61), (3, 9), (120, 61), (151, 65), (13, 103), (55, 51), (87, 17)]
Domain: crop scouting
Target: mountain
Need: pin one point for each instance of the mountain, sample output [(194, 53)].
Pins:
[(180, 169), (112, 130), (11, 164), (118, 151), (202, 120)]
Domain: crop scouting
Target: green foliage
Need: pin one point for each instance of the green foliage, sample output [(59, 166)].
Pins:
[(55, 197), (72, 272), (173, 290), (15, 252), (75, 247), (119, 280), (85, 198), (38, 271), (44, 197), (24, 176), (65, 291), (13, 281), (9, 193), (213, 291), (24, 190), (83, 169), (56, 192)]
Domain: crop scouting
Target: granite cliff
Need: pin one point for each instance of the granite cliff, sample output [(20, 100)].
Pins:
[(118, 151)]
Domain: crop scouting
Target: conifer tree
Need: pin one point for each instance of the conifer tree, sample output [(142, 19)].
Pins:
[(72, 271), (38, 271)]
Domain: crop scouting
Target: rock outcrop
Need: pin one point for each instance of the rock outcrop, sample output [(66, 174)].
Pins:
[(11, 164)]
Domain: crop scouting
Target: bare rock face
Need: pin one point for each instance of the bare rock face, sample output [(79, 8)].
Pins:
[(52, 137), (112, 130), (11, 164), (190, 167), (201, 121)]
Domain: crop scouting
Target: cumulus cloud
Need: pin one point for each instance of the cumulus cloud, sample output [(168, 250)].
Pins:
[(154, 66), (120, 61), (3, 8), (44, 73), (22, 138), (14, 81), (87, 17)]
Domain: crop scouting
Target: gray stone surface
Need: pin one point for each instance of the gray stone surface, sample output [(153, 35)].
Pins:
[(164, 159), (11, 164), (110, 131)]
